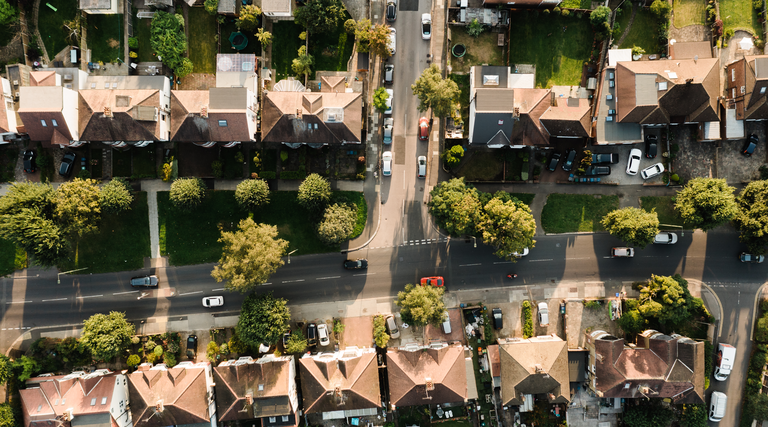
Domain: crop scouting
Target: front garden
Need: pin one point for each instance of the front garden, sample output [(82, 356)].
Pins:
[(565, 213)]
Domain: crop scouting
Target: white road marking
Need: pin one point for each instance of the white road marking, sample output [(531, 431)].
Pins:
[(85, 297), (504, 262), (540, 260), (297, 280), (470, 265), (366, 274), (219, 289), (23, 301), (60, 299), (126, 292), (328, 277), (268, 283), (190, 293)]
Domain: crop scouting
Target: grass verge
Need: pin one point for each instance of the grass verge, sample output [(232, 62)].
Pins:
[(691, 12), (202, 47), (739, 15), (50, 23), (105, 37), (665, 209), (565, 213)]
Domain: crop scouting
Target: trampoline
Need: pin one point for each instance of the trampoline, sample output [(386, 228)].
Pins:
[(238, 40)]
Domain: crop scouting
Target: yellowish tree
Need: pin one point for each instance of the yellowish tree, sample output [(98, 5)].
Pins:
[(508, 226), (78, 211)]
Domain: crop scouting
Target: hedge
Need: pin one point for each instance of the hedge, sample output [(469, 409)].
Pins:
[(293, 175), (268, 175), (527, 320)]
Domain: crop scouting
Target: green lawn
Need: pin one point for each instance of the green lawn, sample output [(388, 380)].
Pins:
[(332, 49), (641, 33), (121, 243), (739, 15), (202, 47), (144, 162), (229, 27), (141, 33), (105, 37), (285, 47), (690, 12), (558, 55), (481, 166), (50, 24), (565, 213), (482, 49), (665, 209)]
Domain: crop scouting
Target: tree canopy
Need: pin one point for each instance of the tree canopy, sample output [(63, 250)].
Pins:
[(421, 304), (599, 16), (694, 415), (666, 300), (378, 40), (380, 335), (249, 17), (77, 207), (752, 217), (263, 319), (320, 16), (661, 8), (633, 225), (435, 92), (508, 226), (250, 255), (252, 193), (338, 223), (264, 37), (455, 206), (380, 99), (115, 196), (297, 343), (314, 193), (7, 13), (648, 414), (168, 39), (706, 203), (187, 193), (302, 65), (8, 416), (105, 336)]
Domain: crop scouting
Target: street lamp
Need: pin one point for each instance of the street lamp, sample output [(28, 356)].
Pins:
[(289, 255), (474, 240), (58, 277), (682, 233)]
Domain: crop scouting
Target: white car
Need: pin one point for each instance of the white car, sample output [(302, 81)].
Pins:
[(665, 238), (390, 96), (388, 124), (426, 26), (543, 314), (652, 171), (386, 163), (521, 254), (322, 334), (213, 301), (392, 41), (422, 166), (633, 165)]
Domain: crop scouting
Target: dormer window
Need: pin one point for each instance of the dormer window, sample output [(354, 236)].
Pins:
[(222, 123), (43, 123), (762, 90)]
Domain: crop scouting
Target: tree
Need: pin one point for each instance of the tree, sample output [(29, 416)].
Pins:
[(380, 97), (236, 345), (264, 37), (314, 193), (297, 343), (380, 335), (187, 193), (8, 416), (455, 206), (475, 28), (362, 30), (7, 13), (378, 40), (435, 92), (633, 225), (302, 65), (212, 352), (252, 194), (6, 369), (421, 304), (752, 217), (249, 17), (25, 367), (168, 39), (631, 322), (661, 9), (636, 50), (105, 336), (185, 68), (706, 203), (211, 6), (77, 207), (350, 25), (759, 404), (599, 16), (648, 414), (250, 256), (115, 196), (666, 300), (133, 360), (319, 16), (338, 223), (453, 155), (507, 226), (263, 319)]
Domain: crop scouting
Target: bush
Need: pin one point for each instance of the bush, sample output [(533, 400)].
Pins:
[(235, 345), (661, 8), (251, 194), (380, 99), (83, 174), (453, 156), (169, 360), (173, 347), (212, 352), (593, 304), (757, 5), (283, 155), (135, 340), (150, 345), (158, 351), (115, 196), (314, 193), (218, 169), (338, 223), (224, 349), (380, 335), (527, 320), (350, 25), (761, 332), (211, 6), (268, 175), (133, 360), (133, 43), (488, 332), (565, 12), (187, 193), (758, 360), (475, 28)]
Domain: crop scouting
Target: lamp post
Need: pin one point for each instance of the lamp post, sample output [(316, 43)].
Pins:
[(289, 255), (682, 233), (58, 277)]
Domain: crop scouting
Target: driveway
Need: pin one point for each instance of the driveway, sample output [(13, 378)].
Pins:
[(734, 166), (694, 159)]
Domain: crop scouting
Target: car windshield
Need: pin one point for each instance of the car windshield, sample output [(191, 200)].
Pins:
[(427, 27)]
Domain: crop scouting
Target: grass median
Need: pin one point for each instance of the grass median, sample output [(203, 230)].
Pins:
[(566, 213)]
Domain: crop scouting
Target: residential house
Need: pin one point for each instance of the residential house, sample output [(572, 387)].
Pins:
[(277, 10), (606, 129), (427, 375), (340, 384), (746, 81), (658, 366), (332, 116), (8, 124), (96, 399), (179, 396), (533, 366), (71, 77), (98, 7), (264, 389), (49, 114), (690, 50), (567, 118), (226, 116)]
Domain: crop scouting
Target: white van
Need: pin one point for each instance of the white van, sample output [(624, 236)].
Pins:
[(717, 406), (394, 332), (726, 354), (447, 324)]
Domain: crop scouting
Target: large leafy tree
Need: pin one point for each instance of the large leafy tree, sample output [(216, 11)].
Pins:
[(380, 99), (667, 300), (314, 193), (362, 30), (759, 404), (249, 17), (648, 414), (752, 218), (435, 92), (7, 13), (105, 336), (706, 203), (6, 369), (599, 16), (338, 223), (694, 415), (378, 40), (421, 304), (263, 319), (302, 65), (455, 206), (115, 196), (167, 38), (632, 225), (250, 255), (320, 16), (508, 226), (77, 207)]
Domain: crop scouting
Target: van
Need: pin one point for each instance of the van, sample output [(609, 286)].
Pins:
[(446, 324), (717, 406), (394, 333), (726, 354)]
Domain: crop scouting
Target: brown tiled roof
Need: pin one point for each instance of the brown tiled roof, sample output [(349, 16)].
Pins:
[(534, 366), (181, 393), (268, 383), (37, 132), (532, 104), (188, 125), (333, 84), (288, 117), (42, 78), (568, 117), (409, 372), (125, 123), (757, 104), (341, 381), (689, 50), (493, 356)]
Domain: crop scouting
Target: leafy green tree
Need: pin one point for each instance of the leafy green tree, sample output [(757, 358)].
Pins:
[(350, 25), (264, 37), (168, 39), (636, 50), (453, 155), (362, 31), (25, 367), (185, 68), (599, 16), (133, 360), (380, 99), (236, 345), (507, 226), (752, 217), (115, 196), (314, 193), (211, 6), (421, 304), (297, 343), (759, 405), (77, 207), (648, 414), (378, 40), (706, 203), (435, 92), (8, 416), (338, 223), (320, 16), (187, 193), (631, 322), (6, 369), (252, 194), (380, 335), (263, 319), (249, 17), (665, 300), (7, 13), (106, 336), (302, 65), (633, 225), (661, 8), (455, 207), (249, 256), (474, 28)]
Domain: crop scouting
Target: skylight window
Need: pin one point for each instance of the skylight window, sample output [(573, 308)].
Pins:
[(223, 123)]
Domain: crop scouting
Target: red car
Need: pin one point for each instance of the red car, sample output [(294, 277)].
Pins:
[(433, 280), (423, 129)]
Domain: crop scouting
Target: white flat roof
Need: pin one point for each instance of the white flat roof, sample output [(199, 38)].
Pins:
[(522, 81), (733, 128), (619, 55)]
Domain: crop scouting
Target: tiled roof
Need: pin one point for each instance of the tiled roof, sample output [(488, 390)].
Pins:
[(427, 375), (346, 380), (534, 366), (128, 120), (172, 397), (189, 125), (568, 117)]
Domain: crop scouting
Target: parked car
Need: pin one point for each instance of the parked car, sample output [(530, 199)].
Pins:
[(286, 336), (543, 314), (446, 324), (554, 161), (392, 40), (622, 252), (521, 254), (311, 334), (191, 346), (665, 238), (633, 164), (356, 264), (750, 145), (426, 26), (391, 10), (394, 332), (322, 334), (390, 96), (569, 158), (433, 280), (389, 73), (386, 163), (30, 165), (611, 158), (498, 318), (422, 161), (596, 170), (717, 406), (389, 123), (67, 162), (651, 146), (652, 171), (750, 258), (214, 301), (149, 281), (423, 129)]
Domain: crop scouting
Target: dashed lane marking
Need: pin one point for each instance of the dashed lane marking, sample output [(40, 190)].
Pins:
[(126, 292), (59, 299), (328, 277), (22, 301), (85, 297), (190, 293)]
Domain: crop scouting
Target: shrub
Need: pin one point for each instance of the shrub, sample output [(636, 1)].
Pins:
[(757, 4), (527, 320), (224, 349), (135, 340), (268, 175), (556, 10), (661, 8), (218, 169), (211, 6), (380, 331), (565, 12), (350, 25), (212, 352), (115, 196), (150, 345), (283, 155), (133, 360), (314, 193), (453, 156), (170, 360), (380, 99), (338, 223), (235, 345), (158, 351), (475, 28), (758, 360), (133, 43), (83, 174), (173, 347), (187, 193), (593, 304), (488, 333), (761, 332), (251, 194)]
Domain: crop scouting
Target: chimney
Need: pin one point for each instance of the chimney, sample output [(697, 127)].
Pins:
[(107, 111), (539, 369), (430, 384), (204, 111), (159, 406), (249, 398), (298, 113), (689, 80), (337, 391), (516, 113)]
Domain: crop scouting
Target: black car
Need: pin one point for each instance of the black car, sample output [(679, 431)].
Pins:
[(610, 158), (191, 346), (596, 170), (570, 157), (651, 146), (750, 145), (391, 11), (67, 162), (356, 264), (286, 336), (311, 334), (144, 281), (554, 161), (29, 161), (498, 322)]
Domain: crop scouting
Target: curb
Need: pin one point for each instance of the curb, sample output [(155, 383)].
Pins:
[(719, 305), (754, 311)]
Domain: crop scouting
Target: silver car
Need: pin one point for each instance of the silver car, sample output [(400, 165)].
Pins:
[(422, 166), (543, 314)]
